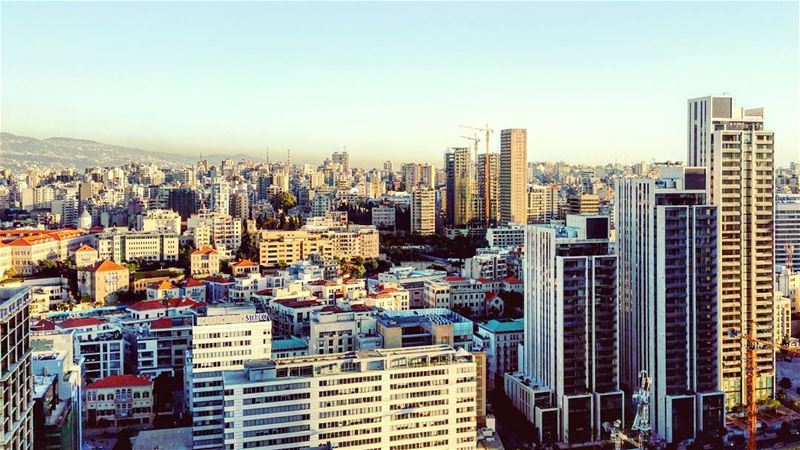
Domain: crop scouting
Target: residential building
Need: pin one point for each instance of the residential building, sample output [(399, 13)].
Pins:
[(459, 186), (423, 211), (85, 256), (104, 281), (119, 401), (383, 216), (16, 382), (412, 280), (508, 237), (420, 327), (159, 220), (160, 345), (492, 172), (487, 263), (500, 340), (335, 330), (204, 262), (243, 268), (738, 152), (513, 176), (122, 245), (217, 229), (583, 204), (666, 244), (543, 204), (422, 397), (99, 343), (787, 230), (569, 380), (288, 347)]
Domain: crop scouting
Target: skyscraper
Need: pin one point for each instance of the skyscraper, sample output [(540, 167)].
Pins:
[(343, 159), (423, 211), (513, 175), (16, 401), (494, 186), (739, 154), (569, 383), (458, 165), (667, 251)]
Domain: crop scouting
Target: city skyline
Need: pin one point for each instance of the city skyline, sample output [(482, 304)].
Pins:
[(392, 79)]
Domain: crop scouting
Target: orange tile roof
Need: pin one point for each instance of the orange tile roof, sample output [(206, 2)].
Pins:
[(118, 381), (107, 266), (162, 286), (85, 248), (244, 263), (205, 250)]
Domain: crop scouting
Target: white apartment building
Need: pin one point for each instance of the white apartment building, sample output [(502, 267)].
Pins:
[(508, 237), (120, 244), (334, 330), (16, 401), (159, 220), (383, 216), (99, 343), (217, 229), (399, 399), (500, 339), (223, 340), (732, 143), (487, 263), (543, 204), (787, 229)]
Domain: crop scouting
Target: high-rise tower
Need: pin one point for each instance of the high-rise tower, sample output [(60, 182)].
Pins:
[(513, 175), (738, 152)]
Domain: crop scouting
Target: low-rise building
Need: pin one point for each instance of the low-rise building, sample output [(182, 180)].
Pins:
[(204, 262), (119, 401), (104, 281), (424, 327), (487, 263), (243, 268), (120, 244), (159, 346), (500, 340), (336, 330), (288, 347)]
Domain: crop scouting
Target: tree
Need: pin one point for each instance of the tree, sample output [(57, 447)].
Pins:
[(249, 247), (124, 440), (11, 273), (282, 201), (785, 383)]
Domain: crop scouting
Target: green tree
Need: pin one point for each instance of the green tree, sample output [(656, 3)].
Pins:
[(282, 201), (249, 247), (11, 273), (785, 383)]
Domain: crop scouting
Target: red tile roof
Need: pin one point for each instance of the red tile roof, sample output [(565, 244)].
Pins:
[(85, 248), (149, 305), (485, 280), (267, 291), (161, 323), (191, 282), (454, 279), (512, 280), (218, 280), (42, 325), (80, 323), (489, 296), (118, 381)]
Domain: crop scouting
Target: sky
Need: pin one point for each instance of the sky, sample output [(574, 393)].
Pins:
[(591, 82)]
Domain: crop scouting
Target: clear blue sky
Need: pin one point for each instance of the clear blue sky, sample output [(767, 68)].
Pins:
[(592, 82)]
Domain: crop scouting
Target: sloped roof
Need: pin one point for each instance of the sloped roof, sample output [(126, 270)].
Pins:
[(107, 266), (117, 381), (243, 263), (85, 248)]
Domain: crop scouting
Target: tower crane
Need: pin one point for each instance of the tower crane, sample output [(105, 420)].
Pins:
[(475, 141), (753, 344), (486, 170), (641, 422)]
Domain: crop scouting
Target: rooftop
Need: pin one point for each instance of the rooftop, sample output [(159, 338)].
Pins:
[(503, 325), (115, 381)]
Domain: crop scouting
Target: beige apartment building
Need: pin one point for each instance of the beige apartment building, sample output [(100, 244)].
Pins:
[(423, 211), (739, 153), (103, 281), (204, 261), (279, 247), (513, 176)]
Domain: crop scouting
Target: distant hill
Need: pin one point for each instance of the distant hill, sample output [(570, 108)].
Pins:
[(22, 152)]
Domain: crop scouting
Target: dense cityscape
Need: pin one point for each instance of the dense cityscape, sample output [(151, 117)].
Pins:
[(485, 302)]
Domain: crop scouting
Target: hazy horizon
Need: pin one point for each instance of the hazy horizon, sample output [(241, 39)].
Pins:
[(591, 82)]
